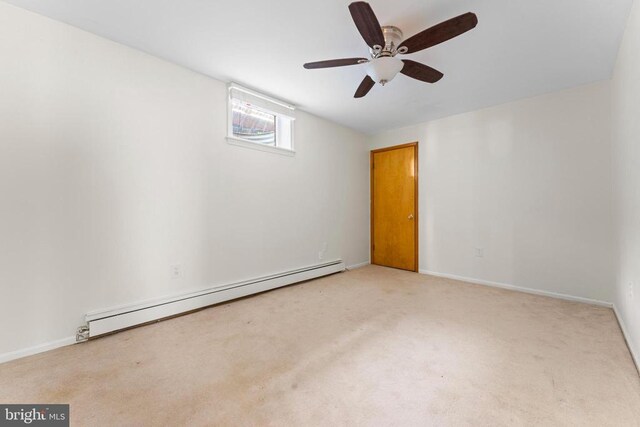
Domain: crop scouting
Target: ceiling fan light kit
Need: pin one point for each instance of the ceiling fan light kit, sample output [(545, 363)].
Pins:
[(384, 68), (387, 42)]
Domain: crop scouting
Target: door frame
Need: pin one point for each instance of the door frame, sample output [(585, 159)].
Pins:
[(415, 208)]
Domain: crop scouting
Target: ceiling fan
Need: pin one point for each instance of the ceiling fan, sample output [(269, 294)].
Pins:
[(387, 42)]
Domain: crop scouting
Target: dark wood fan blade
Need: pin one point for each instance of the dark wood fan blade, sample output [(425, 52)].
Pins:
[(333, 63), (420, 71), (367, 23), (440, 33), (364, 87)]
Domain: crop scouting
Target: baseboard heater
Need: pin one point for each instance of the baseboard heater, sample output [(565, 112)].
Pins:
[(107, 321)]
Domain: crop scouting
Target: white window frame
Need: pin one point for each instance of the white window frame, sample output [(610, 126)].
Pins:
[(283, 112)]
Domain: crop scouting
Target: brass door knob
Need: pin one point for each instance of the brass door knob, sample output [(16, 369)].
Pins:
[(410, 216)]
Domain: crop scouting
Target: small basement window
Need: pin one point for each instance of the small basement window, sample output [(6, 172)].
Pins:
[(258, 121)]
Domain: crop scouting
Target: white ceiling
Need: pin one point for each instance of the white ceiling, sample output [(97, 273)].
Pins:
[(519, 48)]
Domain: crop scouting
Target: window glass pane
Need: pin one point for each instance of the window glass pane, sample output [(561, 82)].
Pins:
[(252, 124)]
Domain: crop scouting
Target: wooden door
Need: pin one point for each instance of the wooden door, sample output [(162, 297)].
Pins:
[(394, 207)]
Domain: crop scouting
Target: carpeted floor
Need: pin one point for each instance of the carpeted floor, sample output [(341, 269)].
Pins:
[(373, 346)]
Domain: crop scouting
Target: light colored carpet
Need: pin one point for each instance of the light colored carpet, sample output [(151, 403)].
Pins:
[(373, 346)]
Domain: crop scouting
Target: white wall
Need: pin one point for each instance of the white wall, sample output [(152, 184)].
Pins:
[(626, 172), (114, 166), (529, 182)]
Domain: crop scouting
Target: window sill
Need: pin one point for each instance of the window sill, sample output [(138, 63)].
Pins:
[(255, 146)]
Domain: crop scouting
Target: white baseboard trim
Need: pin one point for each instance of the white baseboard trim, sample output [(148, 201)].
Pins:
[(627, 338), (519, 289), (40, 348), (635, 355), (359, 265)]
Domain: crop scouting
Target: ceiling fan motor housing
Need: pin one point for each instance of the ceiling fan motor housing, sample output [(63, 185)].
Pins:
[(392, 38)]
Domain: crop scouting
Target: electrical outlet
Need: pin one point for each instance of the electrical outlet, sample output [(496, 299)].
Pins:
[(322, 251), (479, 252), (630, 290), (176, 271)]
